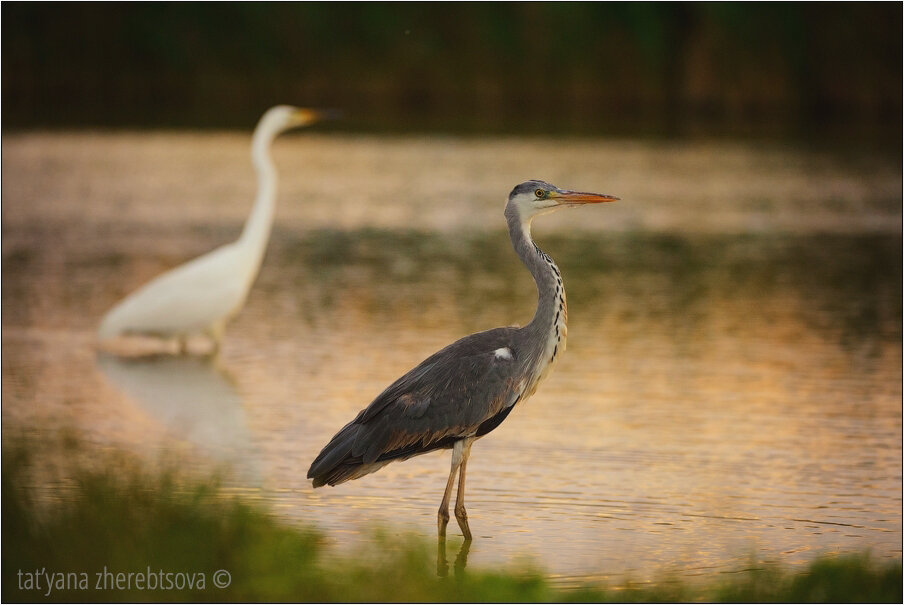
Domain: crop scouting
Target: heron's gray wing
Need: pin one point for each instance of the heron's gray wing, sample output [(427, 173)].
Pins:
[(445, 398)]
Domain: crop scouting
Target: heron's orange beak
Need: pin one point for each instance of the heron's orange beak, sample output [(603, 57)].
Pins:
[(573, 198)]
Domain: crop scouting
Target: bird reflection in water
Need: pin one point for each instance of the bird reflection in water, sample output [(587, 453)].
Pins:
[(461, 560), (195, 398)]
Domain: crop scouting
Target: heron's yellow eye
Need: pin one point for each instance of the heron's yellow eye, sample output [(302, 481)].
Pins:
[(539, 193)]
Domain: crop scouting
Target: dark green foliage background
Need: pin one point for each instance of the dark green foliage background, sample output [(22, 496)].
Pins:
[(669, 68)]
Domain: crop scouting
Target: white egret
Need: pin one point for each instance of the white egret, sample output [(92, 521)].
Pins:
[(200, 296)]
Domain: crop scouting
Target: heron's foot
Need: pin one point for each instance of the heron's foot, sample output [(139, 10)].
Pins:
[(461, 561), (442, 564), (461, 515), (442, 520)]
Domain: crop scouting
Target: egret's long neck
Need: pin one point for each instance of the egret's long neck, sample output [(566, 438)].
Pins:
[(548, 327), (257, 228)]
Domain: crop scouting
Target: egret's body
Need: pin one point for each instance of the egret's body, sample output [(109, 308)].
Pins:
[(467, 389), (201, 295)]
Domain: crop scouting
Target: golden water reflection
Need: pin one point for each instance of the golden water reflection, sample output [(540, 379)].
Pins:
[(722, 393)]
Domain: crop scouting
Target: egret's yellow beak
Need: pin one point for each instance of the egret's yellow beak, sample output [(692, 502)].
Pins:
[(304, 115), (573, 198)]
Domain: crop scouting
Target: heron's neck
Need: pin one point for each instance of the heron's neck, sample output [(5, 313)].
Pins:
[(548, 327), (257, 228)]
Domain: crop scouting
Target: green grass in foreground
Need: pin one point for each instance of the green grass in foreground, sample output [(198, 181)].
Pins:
[(128, 519)]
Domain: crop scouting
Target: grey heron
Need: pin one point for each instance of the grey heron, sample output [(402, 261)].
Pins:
[(201, 295), (465, 390)]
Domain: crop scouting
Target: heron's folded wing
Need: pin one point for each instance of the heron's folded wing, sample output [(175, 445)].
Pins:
[(445, 398), (450, 399)]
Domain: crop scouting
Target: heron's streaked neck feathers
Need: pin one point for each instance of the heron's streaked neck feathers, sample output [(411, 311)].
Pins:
[(550, 290)]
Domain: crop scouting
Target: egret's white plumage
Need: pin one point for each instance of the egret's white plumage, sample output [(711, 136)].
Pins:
[(201, 295)]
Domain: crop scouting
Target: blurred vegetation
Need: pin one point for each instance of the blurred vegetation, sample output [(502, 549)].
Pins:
[(664, 68), (117, 515)]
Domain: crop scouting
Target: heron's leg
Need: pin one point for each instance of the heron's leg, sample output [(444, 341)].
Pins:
[(442, 517), (461, 515)]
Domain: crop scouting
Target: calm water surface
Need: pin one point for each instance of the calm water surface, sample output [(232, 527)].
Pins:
[(732, 383)]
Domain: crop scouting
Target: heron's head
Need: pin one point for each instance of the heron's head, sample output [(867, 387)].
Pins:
[(533, 198)]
